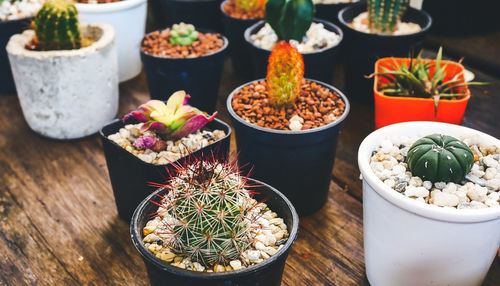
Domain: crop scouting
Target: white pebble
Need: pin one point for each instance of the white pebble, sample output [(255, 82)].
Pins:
[(412, 191), (493, 184), (444, 199)]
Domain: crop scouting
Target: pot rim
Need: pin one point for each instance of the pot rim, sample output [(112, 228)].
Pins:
[(13, 21), (337, 4), (339, 121), (335, 28), (417, 99), (223, 3), (222, 49), (146, 254), (101, 133), (108, 7), (408, 204), (16, 44), (346, 25)]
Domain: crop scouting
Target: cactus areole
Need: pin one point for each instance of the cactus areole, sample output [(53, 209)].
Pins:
[(440, 158), (384, 15), (56, 26)]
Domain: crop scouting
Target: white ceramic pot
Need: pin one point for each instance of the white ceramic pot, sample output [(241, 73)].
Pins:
[(128, 17), (67, 94), (407, 242)]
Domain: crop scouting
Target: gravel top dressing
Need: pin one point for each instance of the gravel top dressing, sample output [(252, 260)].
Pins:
[(360, 23), (479, 189), (12, 10)]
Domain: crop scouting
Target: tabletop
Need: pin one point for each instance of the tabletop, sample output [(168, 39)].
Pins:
[(59, 224)]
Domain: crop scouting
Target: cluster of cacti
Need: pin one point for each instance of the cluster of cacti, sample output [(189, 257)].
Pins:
[(56, 26), (250, 5), (183, 34), (384, 15), (285, 72), (290, 19), (440, 158), (172, 120), (210, 212)]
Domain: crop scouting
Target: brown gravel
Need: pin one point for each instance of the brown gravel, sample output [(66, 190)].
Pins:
[(316, 104), (232, 10), (157, 43)]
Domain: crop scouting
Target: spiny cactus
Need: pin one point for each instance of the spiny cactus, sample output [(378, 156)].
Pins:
[(290, 19), (285, 72), (440, 158), (208, 212), (250, 5), (383, 15), (172, 120), (183, 34), (56, 26)]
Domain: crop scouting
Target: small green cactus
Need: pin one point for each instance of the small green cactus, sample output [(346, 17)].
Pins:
[(440, 158), (183, 34), (56, 26), (210, 209), (383, 15), (290, 19)]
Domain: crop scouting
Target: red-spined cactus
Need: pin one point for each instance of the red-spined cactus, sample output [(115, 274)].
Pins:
[(285, 72)]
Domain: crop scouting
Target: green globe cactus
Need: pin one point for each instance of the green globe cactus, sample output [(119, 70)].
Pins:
[(183, 34), (383, 15), (290, 19), (56, 26), (440, 158), (209, 210)]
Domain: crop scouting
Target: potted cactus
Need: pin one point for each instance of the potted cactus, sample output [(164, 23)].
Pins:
[(377, 29), (431, 195), (65, 57), (237, 16), (416, 89), (209, 226), (204, 14), (183, 57), (142, 146), (319, 43), (286, 114), (15, 16), (118, 13)]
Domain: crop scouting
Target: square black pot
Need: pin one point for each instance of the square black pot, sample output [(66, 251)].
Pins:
[(130, 175)]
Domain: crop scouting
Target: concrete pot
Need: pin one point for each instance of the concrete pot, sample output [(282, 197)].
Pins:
[(67, 94), (129, 20)]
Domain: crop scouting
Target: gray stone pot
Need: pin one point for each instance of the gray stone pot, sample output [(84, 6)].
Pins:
[(71, 93)]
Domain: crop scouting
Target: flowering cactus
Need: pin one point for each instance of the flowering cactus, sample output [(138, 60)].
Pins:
[(172, 120), (285, 72)]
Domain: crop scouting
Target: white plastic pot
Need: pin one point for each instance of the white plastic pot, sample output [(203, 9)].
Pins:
[(67, 94), (128, 17), (408, 242)]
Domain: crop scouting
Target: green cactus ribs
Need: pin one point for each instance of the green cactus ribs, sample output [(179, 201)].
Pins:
[(183, 34), (56, 26), (290, 19), (440, 158), (384, 15)]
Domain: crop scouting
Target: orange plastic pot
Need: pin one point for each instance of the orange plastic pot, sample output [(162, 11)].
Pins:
[(393, 109)]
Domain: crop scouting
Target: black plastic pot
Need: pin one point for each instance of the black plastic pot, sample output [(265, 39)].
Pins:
[(7, 29), (234, 30), (319, 65), (200, 76), (130, 175), (200, 13), (299, 163), (364, 49), (268, 272), (329, 12)]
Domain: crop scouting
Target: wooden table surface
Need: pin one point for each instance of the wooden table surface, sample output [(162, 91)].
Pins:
[(59, 225)]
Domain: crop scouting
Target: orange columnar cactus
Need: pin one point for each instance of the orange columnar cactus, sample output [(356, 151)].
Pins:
[(285, 72)]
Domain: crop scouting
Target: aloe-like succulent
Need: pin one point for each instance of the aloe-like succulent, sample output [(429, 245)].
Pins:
[(440, 158), (171, 120), (290, 19), (384, 15), (210, 212), (183, 34), (415, 79), (56, 26)]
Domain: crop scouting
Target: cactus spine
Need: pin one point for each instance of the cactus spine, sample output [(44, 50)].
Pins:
[(383, 15), (285, 72), (56, 26), (210, 212)]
